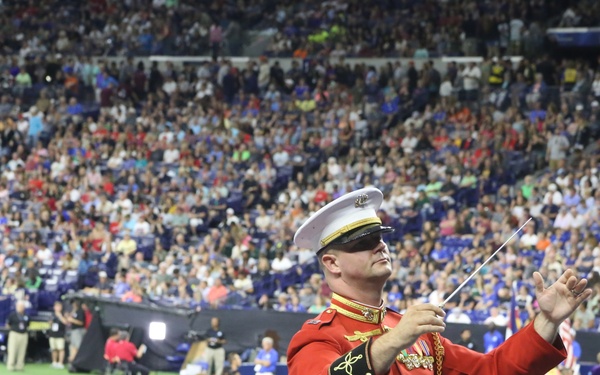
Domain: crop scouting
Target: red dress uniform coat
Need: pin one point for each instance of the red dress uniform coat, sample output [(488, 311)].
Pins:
[(338, 341)]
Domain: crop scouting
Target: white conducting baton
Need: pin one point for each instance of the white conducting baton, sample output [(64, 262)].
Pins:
[(484, 263)]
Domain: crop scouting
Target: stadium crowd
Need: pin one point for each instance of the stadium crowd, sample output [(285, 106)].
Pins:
[(132, 27), (183, 185), (419, 29)]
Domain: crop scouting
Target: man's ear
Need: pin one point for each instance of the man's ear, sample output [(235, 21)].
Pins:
[(330, 263)]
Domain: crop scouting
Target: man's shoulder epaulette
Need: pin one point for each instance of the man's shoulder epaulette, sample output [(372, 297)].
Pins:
[(322, 319)]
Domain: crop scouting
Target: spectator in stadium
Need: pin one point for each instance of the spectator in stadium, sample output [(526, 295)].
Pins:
[(495, 318), (557, 148), (318, 306), (281, 263), (456, 315), (585, 315), (347, 235), (492, 339), (104, 286), (235, 362), (56, 334), (466, 340), (34, 281), (217, 293), (127, 246), (524, 302), (471, 77), (215, 353), (76, 320), (243, 283), (18, 337), (266, 359), (216, 39), (133, 295)]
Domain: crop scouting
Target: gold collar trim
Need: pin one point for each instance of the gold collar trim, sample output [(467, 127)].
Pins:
[(357, 311)]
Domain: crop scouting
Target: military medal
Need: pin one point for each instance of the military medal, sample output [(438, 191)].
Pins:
[(421, 360)]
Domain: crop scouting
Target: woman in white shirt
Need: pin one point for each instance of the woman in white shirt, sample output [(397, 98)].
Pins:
[(116, 160), (263, 221)]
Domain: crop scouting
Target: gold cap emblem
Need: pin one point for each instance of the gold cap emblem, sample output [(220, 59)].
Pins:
[(361, 200)]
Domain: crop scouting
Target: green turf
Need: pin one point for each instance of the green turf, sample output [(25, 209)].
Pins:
[(45, 369)]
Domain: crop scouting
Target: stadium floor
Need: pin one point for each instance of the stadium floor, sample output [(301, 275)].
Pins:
[(45, 369)]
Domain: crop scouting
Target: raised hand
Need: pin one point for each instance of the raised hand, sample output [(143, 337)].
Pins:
[(558, 301), (562, 298)]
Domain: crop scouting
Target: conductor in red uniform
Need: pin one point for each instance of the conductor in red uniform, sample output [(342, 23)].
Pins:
[(356, 335)]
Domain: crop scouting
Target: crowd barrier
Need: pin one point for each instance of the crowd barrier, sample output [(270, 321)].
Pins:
[(243, 329)]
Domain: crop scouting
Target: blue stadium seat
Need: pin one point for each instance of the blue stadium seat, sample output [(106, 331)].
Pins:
[(480, 316), (266, 285), (5, 308), (51, 285), (71, 276), (46, 299), (236, 203), (175, 362), (183, 347)]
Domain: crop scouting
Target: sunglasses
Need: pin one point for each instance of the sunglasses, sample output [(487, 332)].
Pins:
[(366, 243)]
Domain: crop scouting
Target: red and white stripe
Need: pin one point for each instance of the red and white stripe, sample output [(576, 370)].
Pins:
[(567, 337)]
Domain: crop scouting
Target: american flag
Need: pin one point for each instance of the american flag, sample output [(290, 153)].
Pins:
[(515, 322), (567, 337)]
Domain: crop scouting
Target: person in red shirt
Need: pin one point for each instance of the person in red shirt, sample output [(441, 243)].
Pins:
[(88, 315), (321, 195), (126, 352), (110, 347)]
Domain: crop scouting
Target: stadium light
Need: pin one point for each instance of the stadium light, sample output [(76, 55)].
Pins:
[(157, 331)]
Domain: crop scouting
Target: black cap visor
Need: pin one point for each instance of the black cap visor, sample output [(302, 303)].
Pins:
[(357, 234)]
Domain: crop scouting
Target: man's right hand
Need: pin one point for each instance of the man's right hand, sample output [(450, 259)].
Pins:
[(416, 321)]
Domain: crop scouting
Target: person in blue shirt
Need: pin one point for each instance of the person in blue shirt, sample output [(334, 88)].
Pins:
[(36, 125), (74, 108), (121, 286), (394, 294), (492, 339), (266, 359), (391, 105)]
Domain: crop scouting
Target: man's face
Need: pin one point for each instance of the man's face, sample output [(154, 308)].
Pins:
[(466, 335), (364, 259), (266, 345), (20, 307)]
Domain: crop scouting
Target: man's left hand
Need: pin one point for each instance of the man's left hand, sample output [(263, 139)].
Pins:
[(558, 301)]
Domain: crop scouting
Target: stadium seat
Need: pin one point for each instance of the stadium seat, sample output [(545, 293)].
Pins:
[(46, 299), (51, 285), (175, 362)]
